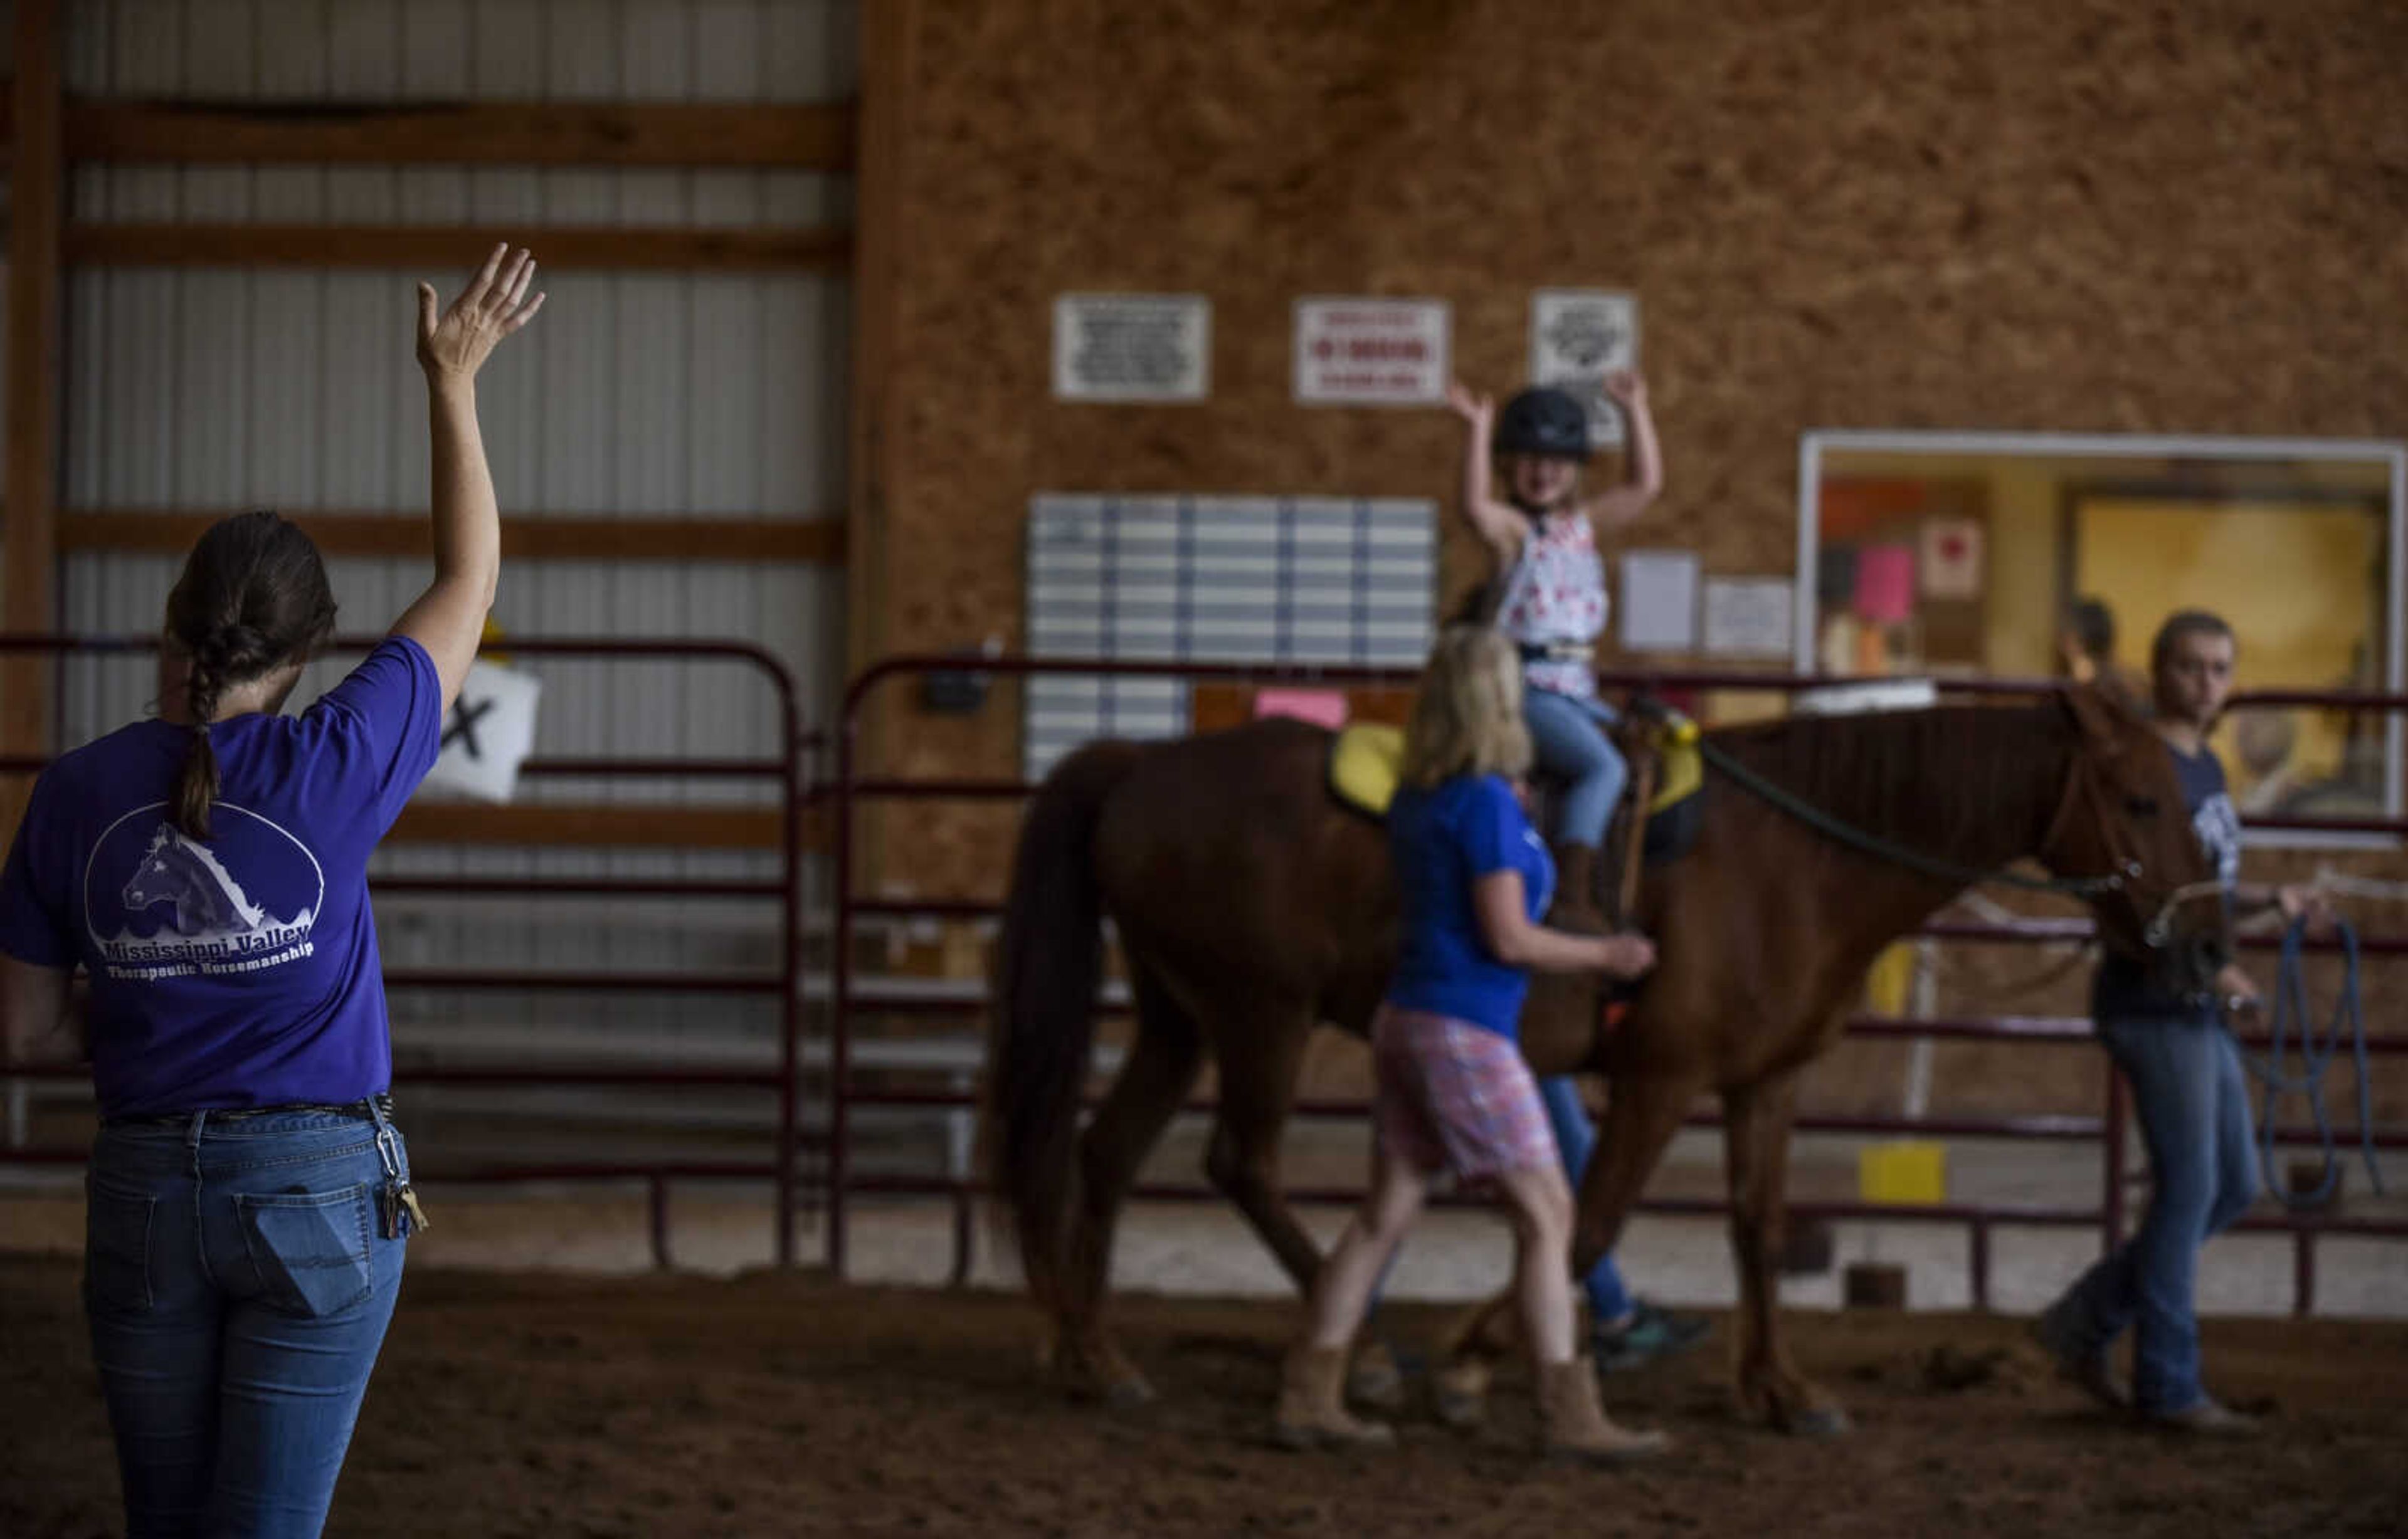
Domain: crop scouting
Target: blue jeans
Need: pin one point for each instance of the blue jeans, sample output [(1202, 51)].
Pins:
[(1609, 1300), (1567, 737), (238, 1287), (2192, 1102)]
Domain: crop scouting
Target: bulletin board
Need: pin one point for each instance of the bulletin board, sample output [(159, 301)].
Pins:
[(1214, 579)]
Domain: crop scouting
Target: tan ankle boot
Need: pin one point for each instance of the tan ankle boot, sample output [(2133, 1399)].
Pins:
[(1575, 907), (1573, 1423), (1312, 1408)]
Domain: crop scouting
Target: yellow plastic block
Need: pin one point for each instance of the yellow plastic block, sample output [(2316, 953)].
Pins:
[(1889, 979), (1907, 1171)]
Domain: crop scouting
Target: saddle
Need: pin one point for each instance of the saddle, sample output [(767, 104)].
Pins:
[(1667, 773)]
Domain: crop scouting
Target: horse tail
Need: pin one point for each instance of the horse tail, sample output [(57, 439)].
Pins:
[(1049, 958)]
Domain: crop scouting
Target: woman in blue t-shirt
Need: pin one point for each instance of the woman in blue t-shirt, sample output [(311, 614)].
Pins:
[(1452, 1091), (248, 1198), (2190, 1093)]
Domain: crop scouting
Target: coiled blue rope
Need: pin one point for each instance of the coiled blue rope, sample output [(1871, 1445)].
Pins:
[(2315, 1056)]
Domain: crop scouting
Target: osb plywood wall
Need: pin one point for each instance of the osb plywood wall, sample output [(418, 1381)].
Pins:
[(2090, 215), (2045, 214)]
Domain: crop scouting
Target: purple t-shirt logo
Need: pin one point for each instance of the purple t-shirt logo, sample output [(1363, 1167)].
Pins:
[(241, 970), (243, 903)]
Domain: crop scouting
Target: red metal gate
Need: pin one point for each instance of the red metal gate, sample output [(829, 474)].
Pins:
[(2109, 1128), (785, 770)]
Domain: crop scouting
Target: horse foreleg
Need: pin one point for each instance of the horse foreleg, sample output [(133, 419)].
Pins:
[(1154, 1078), (1756, 1123), (1640, 1117), (1257, 1090)]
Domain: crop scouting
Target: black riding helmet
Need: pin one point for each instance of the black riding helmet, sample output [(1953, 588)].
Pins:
[(1543, 420)]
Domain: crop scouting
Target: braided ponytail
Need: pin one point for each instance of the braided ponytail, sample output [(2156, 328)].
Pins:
[(253, 599), (197, 783)]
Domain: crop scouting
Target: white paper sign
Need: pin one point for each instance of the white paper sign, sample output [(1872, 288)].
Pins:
[(1577, 338), (1371, 352), (1132, 347), (488, 735), (1749, 617), (1880, 694), (1659, 601), (1952, 558)]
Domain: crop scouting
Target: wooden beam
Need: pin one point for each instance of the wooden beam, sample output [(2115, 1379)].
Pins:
[(623, 826), (815, 540), (28, 542), (815, 137), (443, 245), (879, 249), (885, 73)]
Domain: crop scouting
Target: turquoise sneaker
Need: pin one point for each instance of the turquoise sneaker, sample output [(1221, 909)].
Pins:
[(1650, 1333)]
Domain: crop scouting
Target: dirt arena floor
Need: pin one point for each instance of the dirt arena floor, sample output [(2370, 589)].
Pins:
[(522, 1404)]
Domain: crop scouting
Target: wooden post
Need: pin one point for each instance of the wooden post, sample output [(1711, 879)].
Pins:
[(28, 534), (888, 31)]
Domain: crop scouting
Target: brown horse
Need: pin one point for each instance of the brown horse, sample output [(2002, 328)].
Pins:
[(1251, 906)]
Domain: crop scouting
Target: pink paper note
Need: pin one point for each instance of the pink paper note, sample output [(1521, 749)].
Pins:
[(1322, 707), (1886, 583)]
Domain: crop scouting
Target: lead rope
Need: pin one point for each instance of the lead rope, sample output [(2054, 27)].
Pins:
[(2315, 1056)]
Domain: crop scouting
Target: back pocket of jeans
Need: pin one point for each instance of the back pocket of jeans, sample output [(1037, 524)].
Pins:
[(310, 1248), (117, 1247)]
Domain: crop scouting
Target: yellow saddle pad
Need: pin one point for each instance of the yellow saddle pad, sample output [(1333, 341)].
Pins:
[(1680, 768), (1365, 763)]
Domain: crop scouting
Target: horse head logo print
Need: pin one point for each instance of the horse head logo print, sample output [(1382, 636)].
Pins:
[(207, 898), (154, 898)]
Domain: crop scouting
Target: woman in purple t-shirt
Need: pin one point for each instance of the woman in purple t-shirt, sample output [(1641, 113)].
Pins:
[(248, 1198), (1450, 1092)]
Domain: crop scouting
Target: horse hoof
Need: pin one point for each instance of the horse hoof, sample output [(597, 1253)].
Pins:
[(1128, 1394), (1819, 1423), (1375, 1382), (1459, 1396), (1464, 1413)]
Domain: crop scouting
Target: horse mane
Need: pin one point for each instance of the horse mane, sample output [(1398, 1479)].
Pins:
[(1962, 781)]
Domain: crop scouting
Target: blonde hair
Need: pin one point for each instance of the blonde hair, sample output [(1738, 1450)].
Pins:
[(1468, 713)]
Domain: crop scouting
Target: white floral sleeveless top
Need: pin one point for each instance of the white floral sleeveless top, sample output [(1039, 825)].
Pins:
[(1556, 594)]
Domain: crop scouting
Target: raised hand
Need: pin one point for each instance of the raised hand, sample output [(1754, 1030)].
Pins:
[(454, 342), (1625, 388), (1477, 409)]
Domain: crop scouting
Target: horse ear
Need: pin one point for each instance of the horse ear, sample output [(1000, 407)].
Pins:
[(2102, 717)]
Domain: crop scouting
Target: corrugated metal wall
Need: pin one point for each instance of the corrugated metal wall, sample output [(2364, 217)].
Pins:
[(641, 393)]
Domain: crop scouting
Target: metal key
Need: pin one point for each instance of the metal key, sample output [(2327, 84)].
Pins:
[(388, 1211), (409, 1203)]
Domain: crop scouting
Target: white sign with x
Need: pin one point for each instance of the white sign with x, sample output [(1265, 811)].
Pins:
[(488, 734)]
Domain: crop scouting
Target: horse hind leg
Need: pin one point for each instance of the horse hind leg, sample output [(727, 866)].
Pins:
[(1261, 1052), (1257, 1092), (1164, 1056)]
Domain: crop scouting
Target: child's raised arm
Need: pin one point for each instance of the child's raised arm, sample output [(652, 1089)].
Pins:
[(1500, 526), (1613, 509)]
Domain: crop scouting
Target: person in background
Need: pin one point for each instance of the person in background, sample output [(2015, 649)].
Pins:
[(249, 1202), (2086, 652), (1451, 1091), (2189, 1089)]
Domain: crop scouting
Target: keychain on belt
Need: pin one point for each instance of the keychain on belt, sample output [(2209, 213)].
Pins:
[(398, 1208)]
